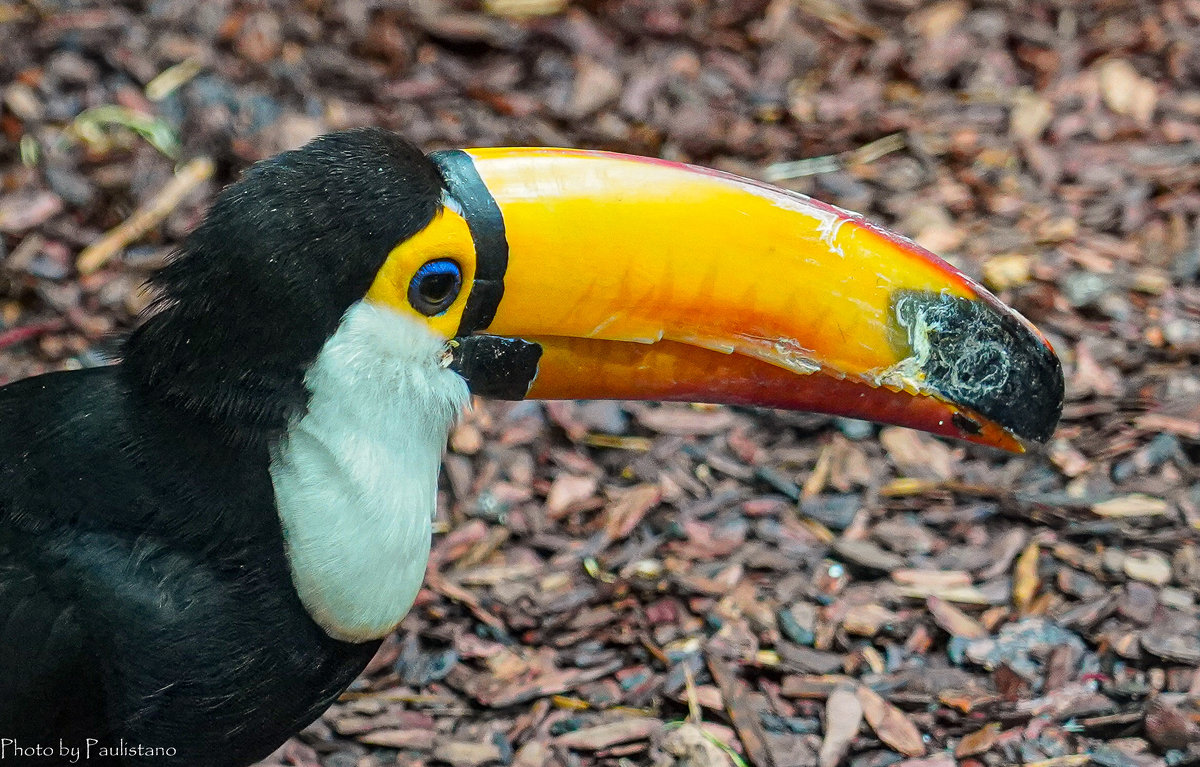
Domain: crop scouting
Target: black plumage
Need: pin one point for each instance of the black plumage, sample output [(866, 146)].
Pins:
[(145, 597)]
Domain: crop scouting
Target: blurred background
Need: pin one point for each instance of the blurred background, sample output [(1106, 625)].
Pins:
[(635, 584)]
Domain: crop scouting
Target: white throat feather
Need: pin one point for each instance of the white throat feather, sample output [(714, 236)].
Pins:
[(355, 476)]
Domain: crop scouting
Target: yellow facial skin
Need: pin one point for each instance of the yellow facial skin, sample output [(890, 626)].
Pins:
[(446, 237)]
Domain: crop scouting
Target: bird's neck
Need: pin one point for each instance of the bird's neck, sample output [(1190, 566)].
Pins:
[(355, 476)]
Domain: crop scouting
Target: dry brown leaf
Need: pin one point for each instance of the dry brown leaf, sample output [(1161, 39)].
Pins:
[(890, 723)]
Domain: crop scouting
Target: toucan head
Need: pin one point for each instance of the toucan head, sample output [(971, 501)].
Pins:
[(557, 273)]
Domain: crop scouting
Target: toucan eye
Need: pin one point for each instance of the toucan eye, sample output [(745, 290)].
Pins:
[(435, 286)]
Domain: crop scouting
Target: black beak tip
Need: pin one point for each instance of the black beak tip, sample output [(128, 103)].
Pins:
[(986, 360)]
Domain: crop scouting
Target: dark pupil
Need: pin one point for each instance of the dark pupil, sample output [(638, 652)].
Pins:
[(434, 288)]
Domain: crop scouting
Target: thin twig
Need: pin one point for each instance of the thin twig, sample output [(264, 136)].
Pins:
[(172, 78), (814, 166), (146, 217), (694, 714)]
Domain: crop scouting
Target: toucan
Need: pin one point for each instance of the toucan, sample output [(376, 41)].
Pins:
[(203, 543)]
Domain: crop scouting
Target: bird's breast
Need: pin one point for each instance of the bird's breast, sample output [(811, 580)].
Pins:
[(355, 478)]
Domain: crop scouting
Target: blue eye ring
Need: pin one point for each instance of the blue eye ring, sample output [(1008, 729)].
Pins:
[(435, 286)]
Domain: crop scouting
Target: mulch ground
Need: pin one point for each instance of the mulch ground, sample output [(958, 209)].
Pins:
[(617, 584)]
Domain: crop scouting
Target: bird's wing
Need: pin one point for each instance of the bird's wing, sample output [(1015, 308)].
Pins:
[(48, 684), (49, 681)]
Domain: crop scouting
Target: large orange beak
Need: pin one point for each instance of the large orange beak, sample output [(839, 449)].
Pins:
[(599, 275)]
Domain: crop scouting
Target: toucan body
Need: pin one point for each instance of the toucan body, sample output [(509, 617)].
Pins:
[(203, 544)]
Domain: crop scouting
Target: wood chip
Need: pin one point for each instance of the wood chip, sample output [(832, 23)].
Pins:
[(1148, 566), (535, 753), (931, 578), (419, 740), (19, 213), (817, 687), (693, 747), (1133, 505), (866, 554), (1125, 91), (610, 733), (459, 753), (843, 717), (867, 620), (978, 742), (685, 421), (745, 718), (1025, 577), (568, 490), (624, 515), (954, 621), (890, 723)]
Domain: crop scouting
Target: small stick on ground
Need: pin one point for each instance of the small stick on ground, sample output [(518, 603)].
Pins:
[(815, 166), (146, 217), (694, 714)]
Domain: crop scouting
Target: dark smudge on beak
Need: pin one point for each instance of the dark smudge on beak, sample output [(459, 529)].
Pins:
[(496, 366), (974, 356)]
